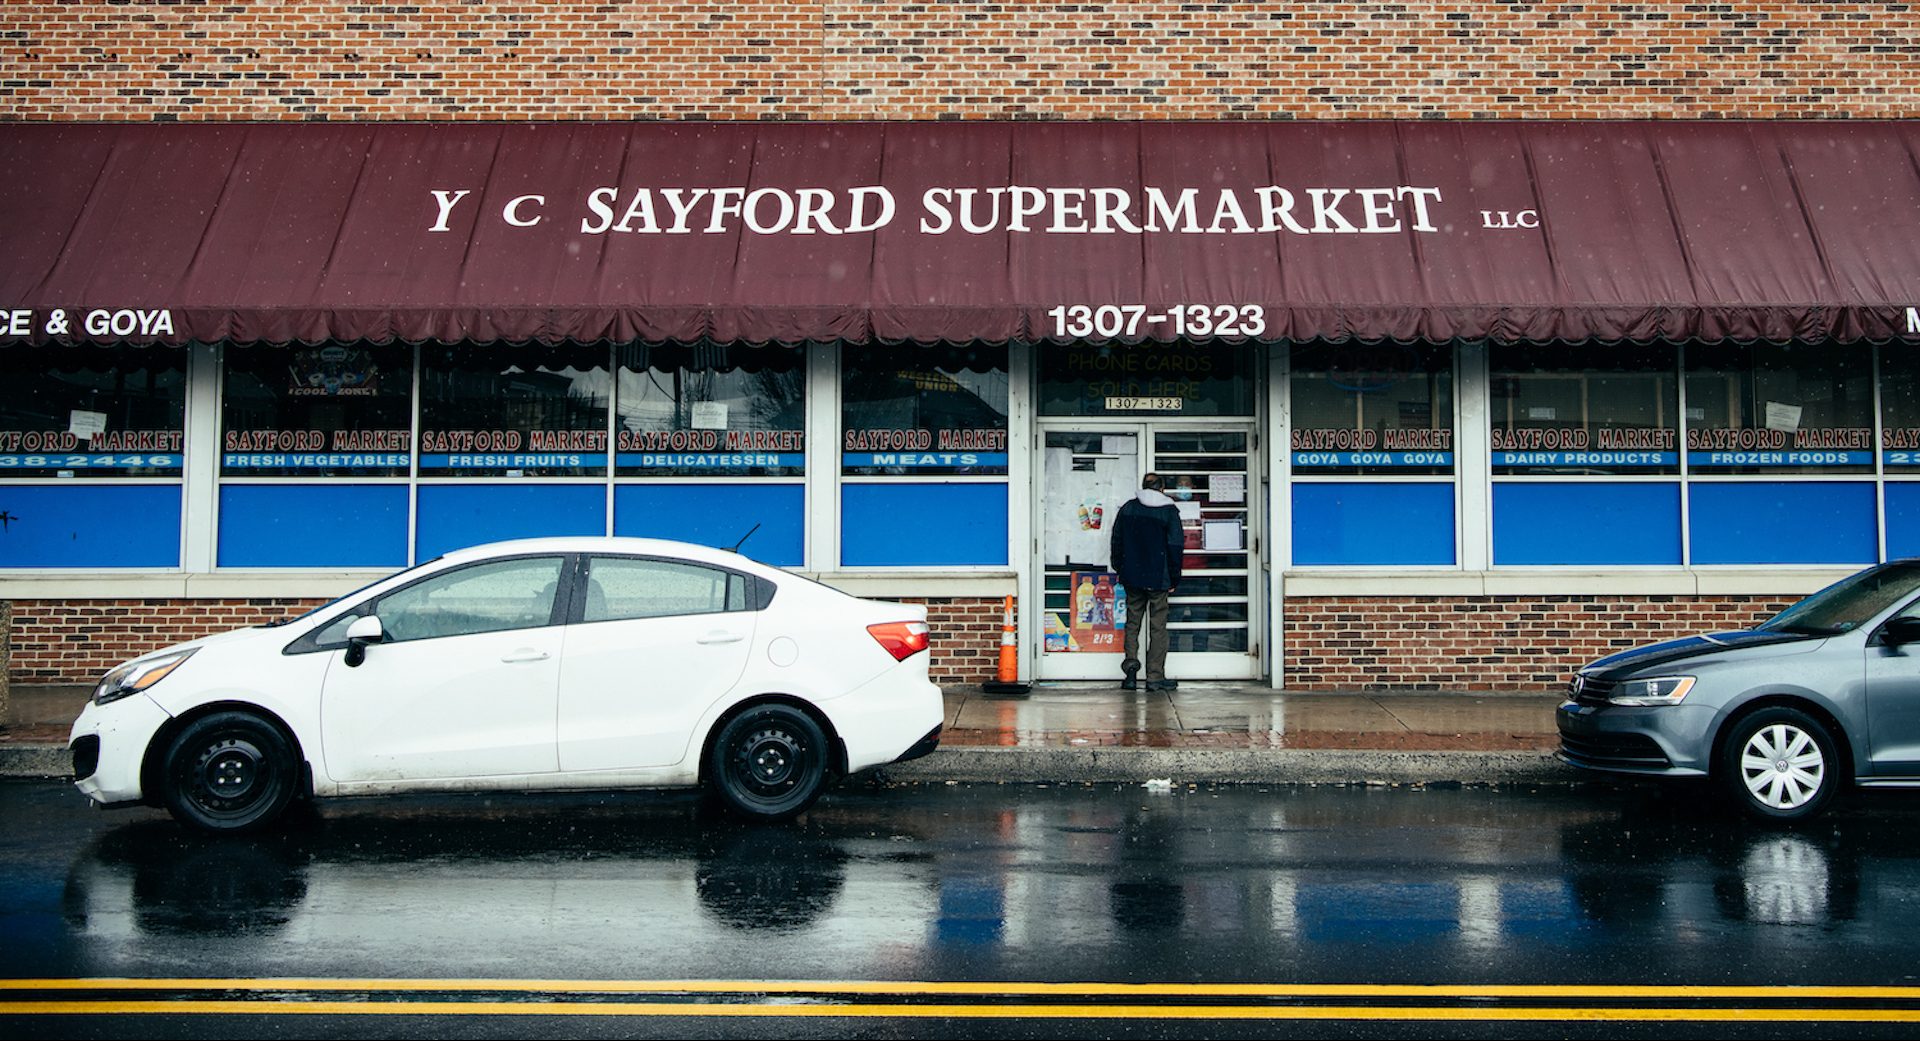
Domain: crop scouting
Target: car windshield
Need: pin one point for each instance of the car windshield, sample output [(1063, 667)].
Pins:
[(1850, 602)]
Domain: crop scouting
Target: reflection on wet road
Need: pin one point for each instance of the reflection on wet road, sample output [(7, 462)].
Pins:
[(1278, 903)]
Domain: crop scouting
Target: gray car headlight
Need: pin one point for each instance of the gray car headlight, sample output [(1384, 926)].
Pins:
[(136, 676), (1660, 690)]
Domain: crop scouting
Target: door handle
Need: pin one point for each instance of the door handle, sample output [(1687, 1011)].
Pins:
[(525, 654), (722, 636)]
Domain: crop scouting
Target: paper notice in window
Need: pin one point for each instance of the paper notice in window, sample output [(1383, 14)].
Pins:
[(1221, 534), (1783, 417), (709, 415), (1227, 488), (1543, 412), (1119, 444), (86, 425), (1188, 510)]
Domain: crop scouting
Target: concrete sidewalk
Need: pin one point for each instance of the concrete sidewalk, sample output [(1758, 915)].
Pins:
[(33, 736), (1097, 732), (1240, 732)]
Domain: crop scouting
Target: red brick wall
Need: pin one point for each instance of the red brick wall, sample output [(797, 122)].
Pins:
[(552, 59), (1488, 643), (75, 641)]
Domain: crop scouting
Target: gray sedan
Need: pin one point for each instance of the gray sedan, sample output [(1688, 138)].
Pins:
[(1781, 716)]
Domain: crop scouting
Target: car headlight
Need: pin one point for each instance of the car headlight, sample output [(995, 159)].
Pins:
[(136, 676), (1661, 690)]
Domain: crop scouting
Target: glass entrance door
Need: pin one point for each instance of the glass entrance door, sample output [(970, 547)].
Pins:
[(1087, 472)]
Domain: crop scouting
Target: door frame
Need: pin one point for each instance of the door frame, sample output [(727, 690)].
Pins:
[(1184, 665)]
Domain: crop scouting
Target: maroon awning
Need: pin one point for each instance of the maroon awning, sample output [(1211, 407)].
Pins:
[(943, 231)]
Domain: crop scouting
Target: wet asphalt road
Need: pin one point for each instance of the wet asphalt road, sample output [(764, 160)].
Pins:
[(981, 891)]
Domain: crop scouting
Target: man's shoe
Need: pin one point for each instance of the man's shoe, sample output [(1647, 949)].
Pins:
[(1129, 684), (1163, 684)]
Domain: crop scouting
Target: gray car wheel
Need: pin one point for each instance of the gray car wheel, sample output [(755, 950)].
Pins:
[(1780, 764)]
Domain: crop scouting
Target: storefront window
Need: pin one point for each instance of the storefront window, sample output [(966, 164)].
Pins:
[(719, 410), (341, 410), (1372, 409), (1900, 409), (1765, 409), (1584, 409), (525, 411), (1142, 381), (923, 411), (89, 411)]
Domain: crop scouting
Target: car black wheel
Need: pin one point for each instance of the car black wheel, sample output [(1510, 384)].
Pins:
[(769, 763), (229, 772), (1780, 764)]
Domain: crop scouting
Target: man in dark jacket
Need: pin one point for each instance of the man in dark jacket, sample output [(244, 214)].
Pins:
[(1147, 546)]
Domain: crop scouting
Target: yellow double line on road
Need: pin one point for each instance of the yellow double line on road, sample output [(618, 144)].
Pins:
[(867, 999)]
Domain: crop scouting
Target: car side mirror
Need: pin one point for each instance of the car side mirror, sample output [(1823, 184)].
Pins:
[(1900, 631), (362, 632)]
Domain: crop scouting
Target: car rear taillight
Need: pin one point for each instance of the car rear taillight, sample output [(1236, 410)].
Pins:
[(901, 639)]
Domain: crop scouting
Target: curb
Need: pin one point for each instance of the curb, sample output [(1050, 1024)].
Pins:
[(1065, 765), (1275, 766), (35, 760)]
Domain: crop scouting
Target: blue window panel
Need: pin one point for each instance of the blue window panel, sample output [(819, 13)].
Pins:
[(313, 525), (1812, 522), (1356, 524), (1903, 519), (906, 525), (718, 515), (453, 516), (1615, 523), (93, 525)]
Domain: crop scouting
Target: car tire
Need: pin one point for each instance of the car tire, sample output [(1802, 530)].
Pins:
[(1780, 764), (769, 763), (229, 772)]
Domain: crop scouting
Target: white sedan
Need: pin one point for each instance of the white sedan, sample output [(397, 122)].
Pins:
[(538, 664)]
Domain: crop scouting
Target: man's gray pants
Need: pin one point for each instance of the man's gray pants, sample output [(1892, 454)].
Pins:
[(1147, 611)]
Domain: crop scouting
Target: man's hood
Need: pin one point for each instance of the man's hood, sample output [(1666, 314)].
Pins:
[(1154, 497)]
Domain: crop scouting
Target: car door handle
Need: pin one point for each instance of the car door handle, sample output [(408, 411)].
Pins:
[(722, 636), (525, 654)]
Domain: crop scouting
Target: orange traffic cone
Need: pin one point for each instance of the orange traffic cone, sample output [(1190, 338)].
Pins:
[(1007, 682)]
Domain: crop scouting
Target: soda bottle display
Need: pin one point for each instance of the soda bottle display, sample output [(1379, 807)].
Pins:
[(1103, 603)]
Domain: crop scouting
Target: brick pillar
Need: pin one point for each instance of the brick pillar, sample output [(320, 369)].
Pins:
[(6, 662)]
